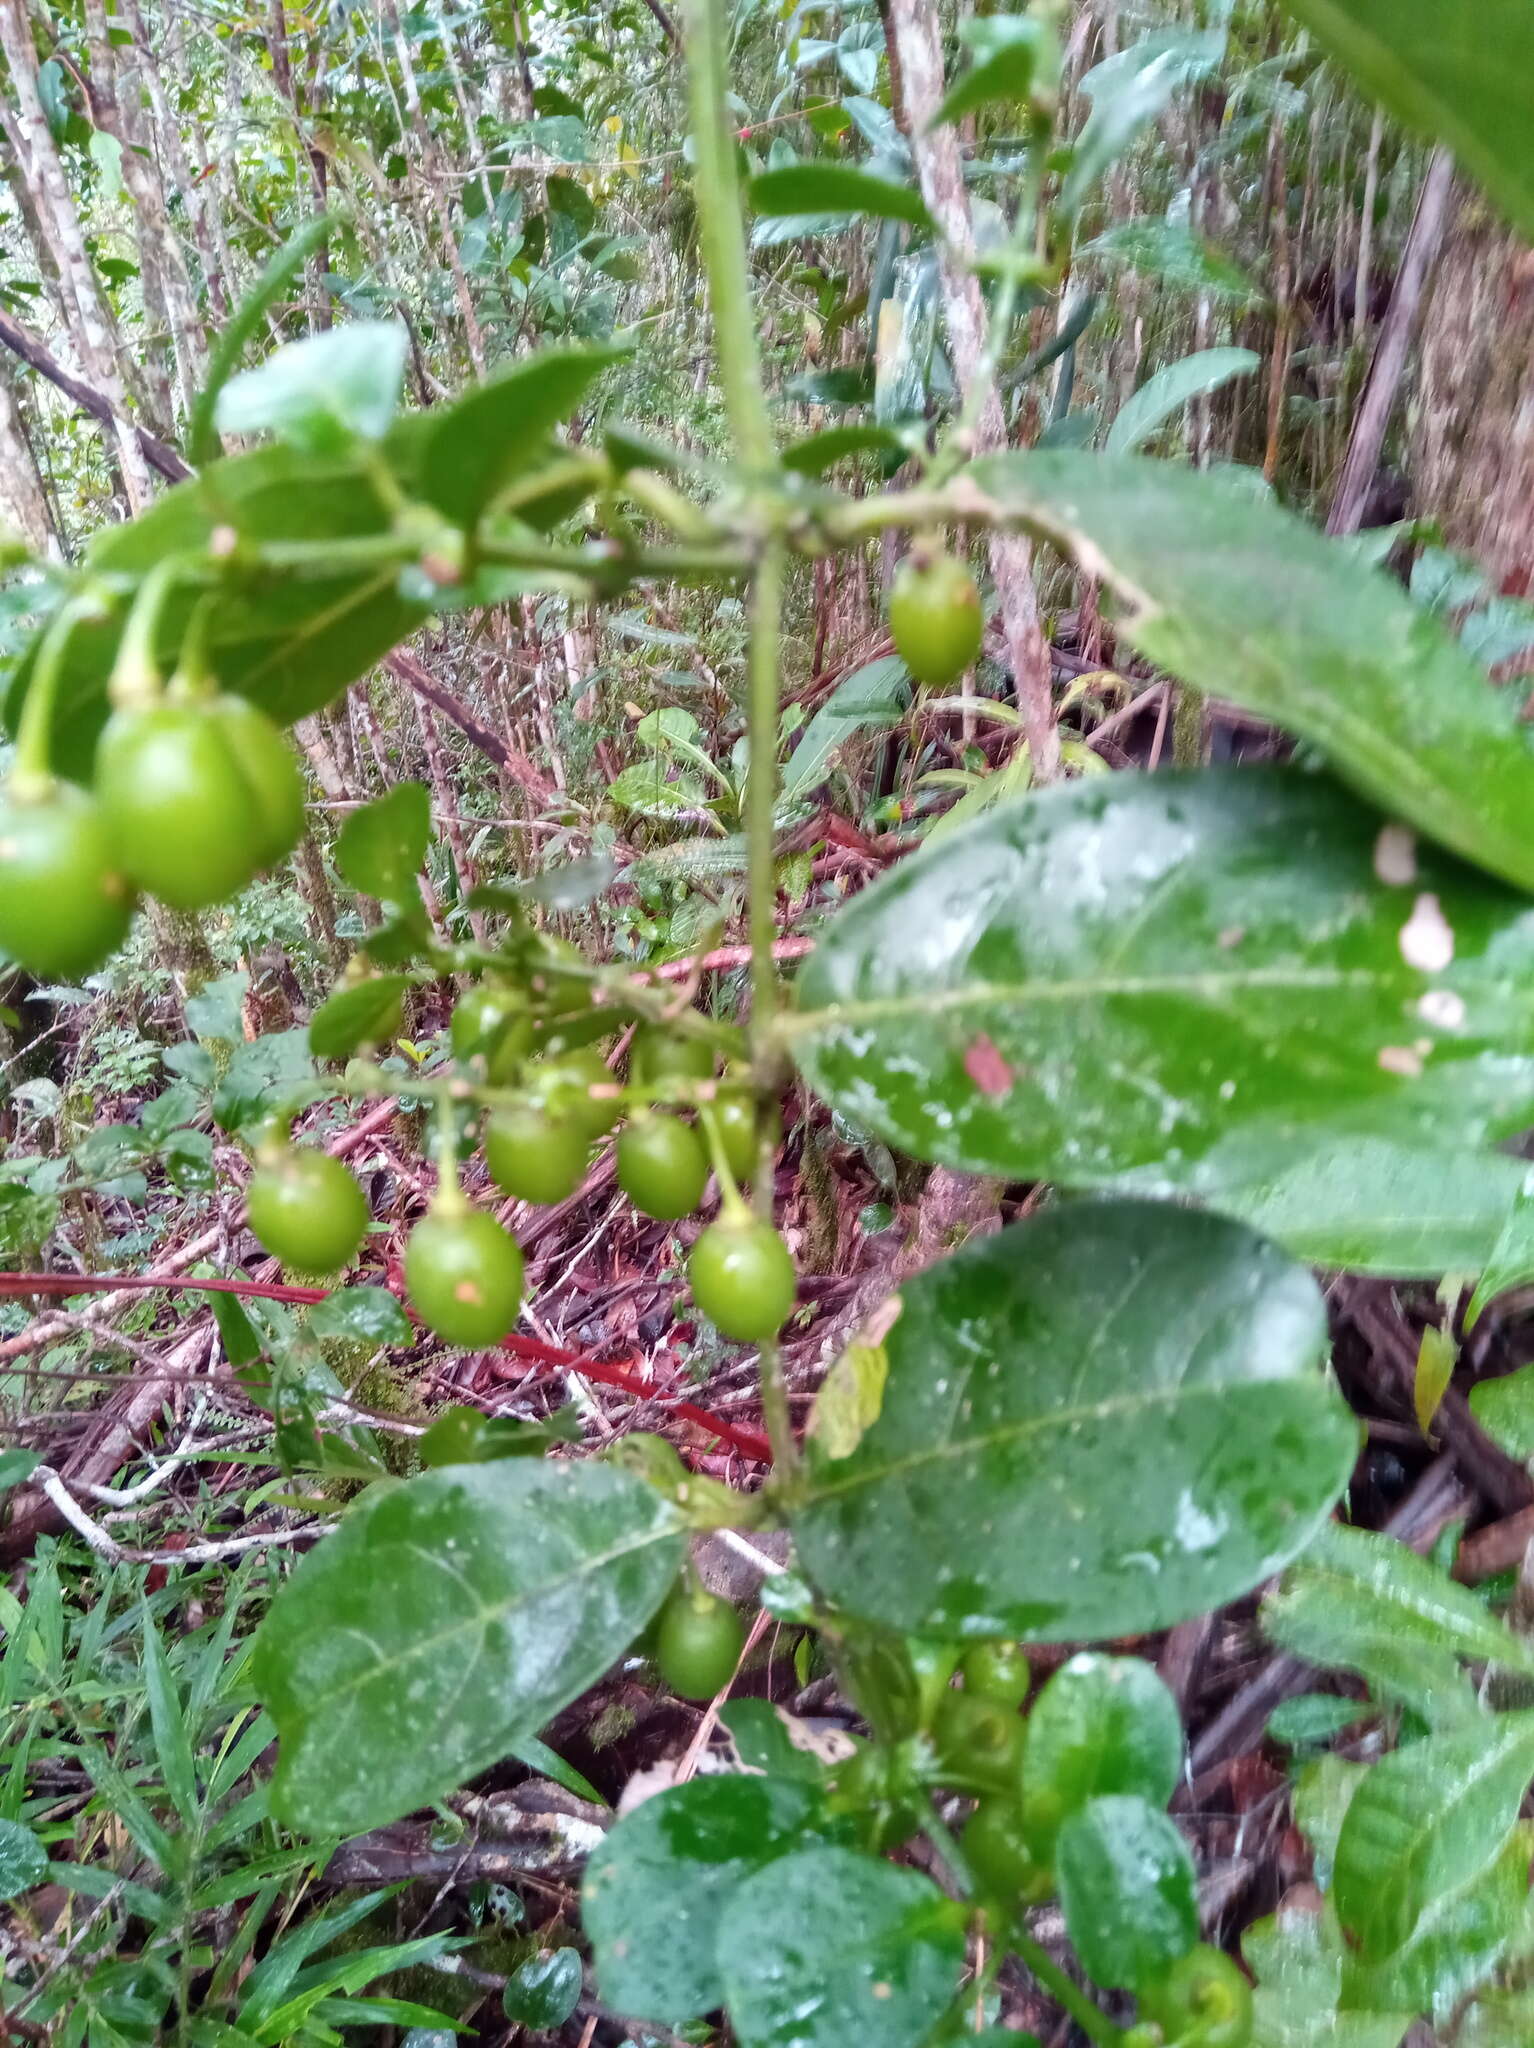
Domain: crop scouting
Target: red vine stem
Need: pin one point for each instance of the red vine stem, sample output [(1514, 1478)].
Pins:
[(627, 1373)]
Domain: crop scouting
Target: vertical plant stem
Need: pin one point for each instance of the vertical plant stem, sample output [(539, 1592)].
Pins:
[(716, 193)]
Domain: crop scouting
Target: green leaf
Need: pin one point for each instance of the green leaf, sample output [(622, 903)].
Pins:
[(1238, 597), (814, 454), (657, 1887), (1169, 253), (172, 1741), (1311, 1720), (1357, 1593), (368, 1013), (541, 1994), (323, 392), (499, 430), (1505, 1410), (1009, 51), (1128, 90), (1094, 1423), (1359, 1204), (447, 1619), (282, 267), (1463, 1935), (1460, 74), (1426, 1821), (361, 1315), (872, 695), (835, 189), (828, 1947), (1163, 396), (1127, 1891), (1099, 1725), (23, 1859), (1298, 1959), (1245, 969), (17, 1465), (1511, 1260), (381, 846)]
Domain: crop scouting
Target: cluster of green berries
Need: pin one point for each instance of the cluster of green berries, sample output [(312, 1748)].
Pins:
[(463, 1269)]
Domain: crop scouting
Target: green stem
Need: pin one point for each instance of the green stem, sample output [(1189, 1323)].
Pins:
[(716, 193), (32, 772), (1093, 2022), (136, 679)]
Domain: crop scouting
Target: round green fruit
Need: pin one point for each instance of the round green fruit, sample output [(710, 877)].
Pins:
[(734, 1115), (743, 1279), (1204, 1999), (978, 1743), (491, 1023), (935, 616), (564, 1088), (997, 1671), (181, 815), (698, 1641), (464, 1276), (662, 1166), (64, 903), (307, 1210), (270, 767), (534, 1156), (660, 1055), (998, 1854)]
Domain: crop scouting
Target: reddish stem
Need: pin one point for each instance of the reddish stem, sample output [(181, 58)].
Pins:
[(626, 1373)]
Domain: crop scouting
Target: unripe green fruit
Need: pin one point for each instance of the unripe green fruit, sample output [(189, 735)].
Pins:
[(270, 767), (734, 1115), (935, 616), (743, 1279), (997, 1671), (182, 817), (564, 1088), (492, 1023), (661, 1055), (307, 1210), (464, 1275), (662, 1166), (997, 1853), (65, 905), (698, 1641), (1204, 1999), (534, 1156)]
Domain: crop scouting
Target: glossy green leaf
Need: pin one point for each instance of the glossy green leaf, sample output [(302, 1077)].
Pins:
[(322, 392), (1463, 1935), (447, 1619), (835, 188), (1128, 90), (814, 454), (541, 1994), (1427, 1820), (1094, 1423), (382, 845), (367, 1013), (1510, 1262), (1121, 973), (1099, 1725), (827, 1947), (1127, 1891), (1240, 598), (1311, 1720), (656, 1889), (1458, 73), (1358, 1204), (499, 430), (1165, 394), (361, 1315), (1356, 1592), (1171, 255), (23, 1859)]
